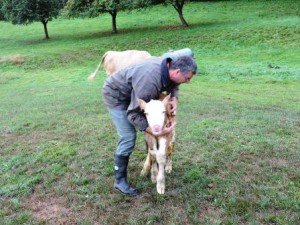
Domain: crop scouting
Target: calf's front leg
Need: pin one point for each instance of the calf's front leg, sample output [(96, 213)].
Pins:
[(161, 161)]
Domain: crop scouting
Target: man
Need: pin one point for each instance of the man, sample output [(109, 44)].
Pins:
[(145, 80)]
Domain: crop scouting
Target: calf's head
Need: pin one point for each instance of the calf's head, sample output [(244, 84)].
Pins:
[(155, 112)]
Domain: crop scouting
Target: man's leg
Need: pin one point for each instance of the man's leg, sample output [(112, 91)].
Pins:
[(127, 136)]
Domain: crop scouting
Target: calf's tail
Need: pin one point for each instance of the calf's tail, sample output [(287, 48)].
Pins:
[(93, 75)]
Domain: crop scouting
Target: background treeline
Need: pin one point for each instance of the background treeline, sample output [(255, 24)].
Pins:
[(28, 11)]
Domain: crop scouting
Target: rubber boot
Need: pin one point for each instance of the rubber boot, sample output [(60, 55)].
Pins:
[(121, 183)]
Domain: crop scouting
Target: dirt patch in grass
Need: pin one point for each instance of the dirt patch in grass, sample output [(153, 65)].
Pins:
[(179, 27), (14, 59), (210, 214), (33, 136), (50, 210), (276, 162), (33, 139), (68, 57)]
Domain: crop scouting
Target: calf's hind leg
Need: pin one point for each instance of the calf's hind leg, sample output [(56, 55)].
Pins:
[(168, 167), (154, 171), (170, 150), (147, 165)]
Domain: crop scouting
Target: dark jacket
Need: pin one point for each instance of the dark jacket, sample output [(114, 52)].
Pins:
[(144, 80)]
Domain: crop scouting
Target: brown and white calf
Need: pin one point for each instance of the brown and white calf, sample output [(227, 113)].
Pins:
[(159, 148), (116, 60)]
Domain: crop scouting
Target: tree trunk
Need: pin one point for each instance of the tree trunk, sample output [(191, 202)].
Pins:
[(44, 22), (178, 5), (113, 14), (183, 21)]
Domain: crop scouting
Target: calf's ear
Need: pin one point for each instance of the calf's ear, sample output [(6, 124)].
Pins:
[(142, 103)]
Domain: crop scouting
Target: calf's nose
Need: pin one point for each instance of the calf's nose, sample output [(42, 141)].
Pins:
[(156, 129)]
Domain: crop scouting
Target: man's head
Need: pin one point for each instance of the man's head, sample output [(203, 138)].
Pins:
[(182, 69)]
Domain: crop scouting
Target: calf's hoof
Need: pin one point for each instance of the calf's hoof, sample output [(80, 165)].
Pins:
[(160, 189), (168, 168)]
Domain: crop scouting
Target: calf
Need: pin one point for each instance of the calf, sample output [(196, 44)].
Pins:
[(159, 148)]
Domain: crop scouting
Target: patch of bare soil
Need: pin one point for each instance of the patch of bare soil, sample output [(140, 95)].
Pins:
[(210, 214), (277, 162), (178, 27), (14, 59), (31, 140), (51, 210), (67, 57)]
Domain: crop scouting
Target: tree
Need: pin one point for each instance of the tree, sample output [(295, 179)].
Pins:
[(29, 11), (92, 8), (178, 6)]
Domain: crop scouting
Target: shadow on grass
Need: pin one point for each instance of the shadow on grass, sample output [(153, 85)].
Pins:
[(106, 33)]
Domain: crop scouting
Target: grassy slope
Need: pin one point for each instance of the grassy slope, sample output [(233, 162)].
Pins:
[(237, 154)]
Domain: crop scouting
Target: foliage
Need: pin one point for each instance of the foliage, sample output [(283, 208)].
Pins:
[(1, 12), (92, 8), (28, 11)]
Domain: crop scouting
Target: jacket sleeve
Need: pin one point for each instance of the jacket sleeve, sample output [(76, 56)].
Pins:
[(138, 120)]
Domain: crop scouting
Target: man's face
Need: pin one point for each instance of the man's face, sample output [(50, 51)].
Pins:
[(177, 77)]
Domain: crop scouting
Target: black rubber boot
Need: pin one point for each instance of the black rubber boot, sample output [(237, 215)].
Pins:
[(121, 183)]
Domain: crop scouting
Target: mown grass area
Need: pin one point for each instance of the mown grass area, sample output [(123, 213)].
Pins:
[(237, 156)]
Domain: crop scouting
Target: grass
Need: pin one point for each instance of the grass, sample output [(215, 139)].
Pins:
[(237, 151)]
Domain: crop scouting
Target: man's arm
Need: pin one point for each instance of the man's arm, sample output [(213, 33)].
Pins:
[(137, 119)]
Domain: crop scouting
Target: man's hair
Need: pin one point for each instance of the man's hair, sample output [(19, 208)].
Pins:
[(186, 64)]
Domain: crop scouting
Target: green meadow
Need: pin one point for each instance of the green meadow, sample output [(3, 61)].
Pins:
[(237, 151)]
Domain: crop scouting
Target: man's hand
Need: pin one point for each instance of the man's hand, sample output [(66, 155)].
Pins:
[(173, 103), (166, 130)]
